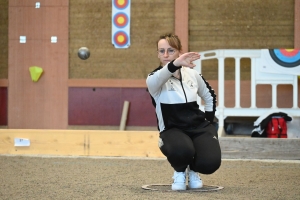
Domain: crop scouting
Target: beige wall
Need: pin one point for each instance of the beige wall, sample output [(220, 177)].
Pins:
[(213, 24), (90, 26), (297, 25), (4, 39), (243, 24)]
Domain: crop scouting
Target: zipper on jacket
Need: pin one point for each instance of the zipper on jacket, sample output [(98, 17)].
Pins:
[(180, 80), (182, 86)]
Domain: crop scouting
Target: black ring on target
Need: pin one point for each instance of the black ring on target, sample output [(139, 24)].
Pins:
[(285, 58)]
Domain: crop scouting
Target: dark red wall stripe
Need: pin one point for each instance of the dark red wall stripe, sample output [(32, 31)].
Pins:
[(103, 106), (3, 106)]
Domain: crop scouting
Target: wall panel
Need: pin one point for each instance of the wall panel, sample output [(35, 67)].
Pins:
[(25, 21), (3, 106), (42, 104), (103, 106), (182, 22)]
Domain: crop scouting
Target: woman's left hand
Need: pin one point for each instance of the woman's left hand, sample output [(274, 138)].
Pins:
[(186, 59)]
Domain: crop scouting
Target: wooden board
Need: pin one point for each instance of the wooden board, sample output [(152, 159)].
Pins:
[(81, 142), (134, 144)]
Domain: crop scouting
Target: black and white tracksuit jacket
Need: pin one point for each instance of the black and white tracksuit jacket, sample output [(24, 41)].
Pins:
[(175, 100)]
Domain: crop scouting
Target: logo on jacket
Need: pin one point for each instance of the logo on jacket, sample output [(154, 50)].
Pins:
[(171, 86), (190, 84)]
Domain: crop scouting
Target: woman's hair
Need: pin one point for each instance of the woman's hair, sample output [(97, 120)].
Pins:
[(172, 39)]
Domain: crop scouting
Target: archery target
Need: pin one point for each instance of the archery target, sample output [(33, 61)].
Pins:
[(121, 4), (120, 20), (286, 57), (121, 23), (280, 61), (120, 39)]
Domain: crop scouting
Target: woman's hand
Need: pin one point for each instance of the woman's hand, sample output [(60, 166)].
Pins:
[(186, 59)]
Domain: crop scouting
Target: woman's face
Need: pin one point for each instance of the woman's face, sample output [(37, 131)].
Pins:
[(165, 52)]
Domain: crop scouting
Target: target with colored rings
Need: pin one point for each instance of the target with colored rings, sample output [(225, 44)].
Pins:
[(120, 38), (121, 4), (120, 20), (286, 57)]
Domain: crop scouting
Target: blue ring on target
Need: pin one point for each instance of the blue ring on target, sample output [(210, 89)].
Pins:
[(288, 61), (123, 6), (122, 34), (117, 24)]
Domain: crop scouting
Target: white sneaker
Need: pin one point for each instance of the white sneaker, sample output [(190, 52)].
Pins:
[(195, 181), (179, 181)]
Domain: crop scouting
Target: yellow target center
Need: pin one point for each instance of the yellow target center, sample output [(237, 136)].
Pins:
[(121, 2), (120, 38), (289, 50), (120, 20)]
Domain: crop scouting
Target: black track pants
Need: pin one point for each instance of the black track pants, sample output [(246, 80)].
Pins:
[(198, 148)]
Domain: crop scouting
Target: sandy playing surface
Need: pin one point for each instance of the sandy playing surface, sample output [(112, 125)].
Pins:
[(105, 178)]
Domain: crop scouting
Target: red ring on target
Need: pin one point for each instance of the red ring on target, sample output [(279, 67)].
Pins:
[(121, 4), (120, 20), (289, 52), (286, 57), (120, 38)]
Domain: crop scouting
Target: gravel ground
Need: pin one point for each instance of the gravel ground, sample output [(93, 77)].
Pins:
[(24, 177)]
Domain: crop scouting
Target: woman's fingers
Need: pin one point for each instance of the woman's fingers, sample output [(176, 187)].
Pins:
[(186, 59), (190, 57), (195, 56)]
